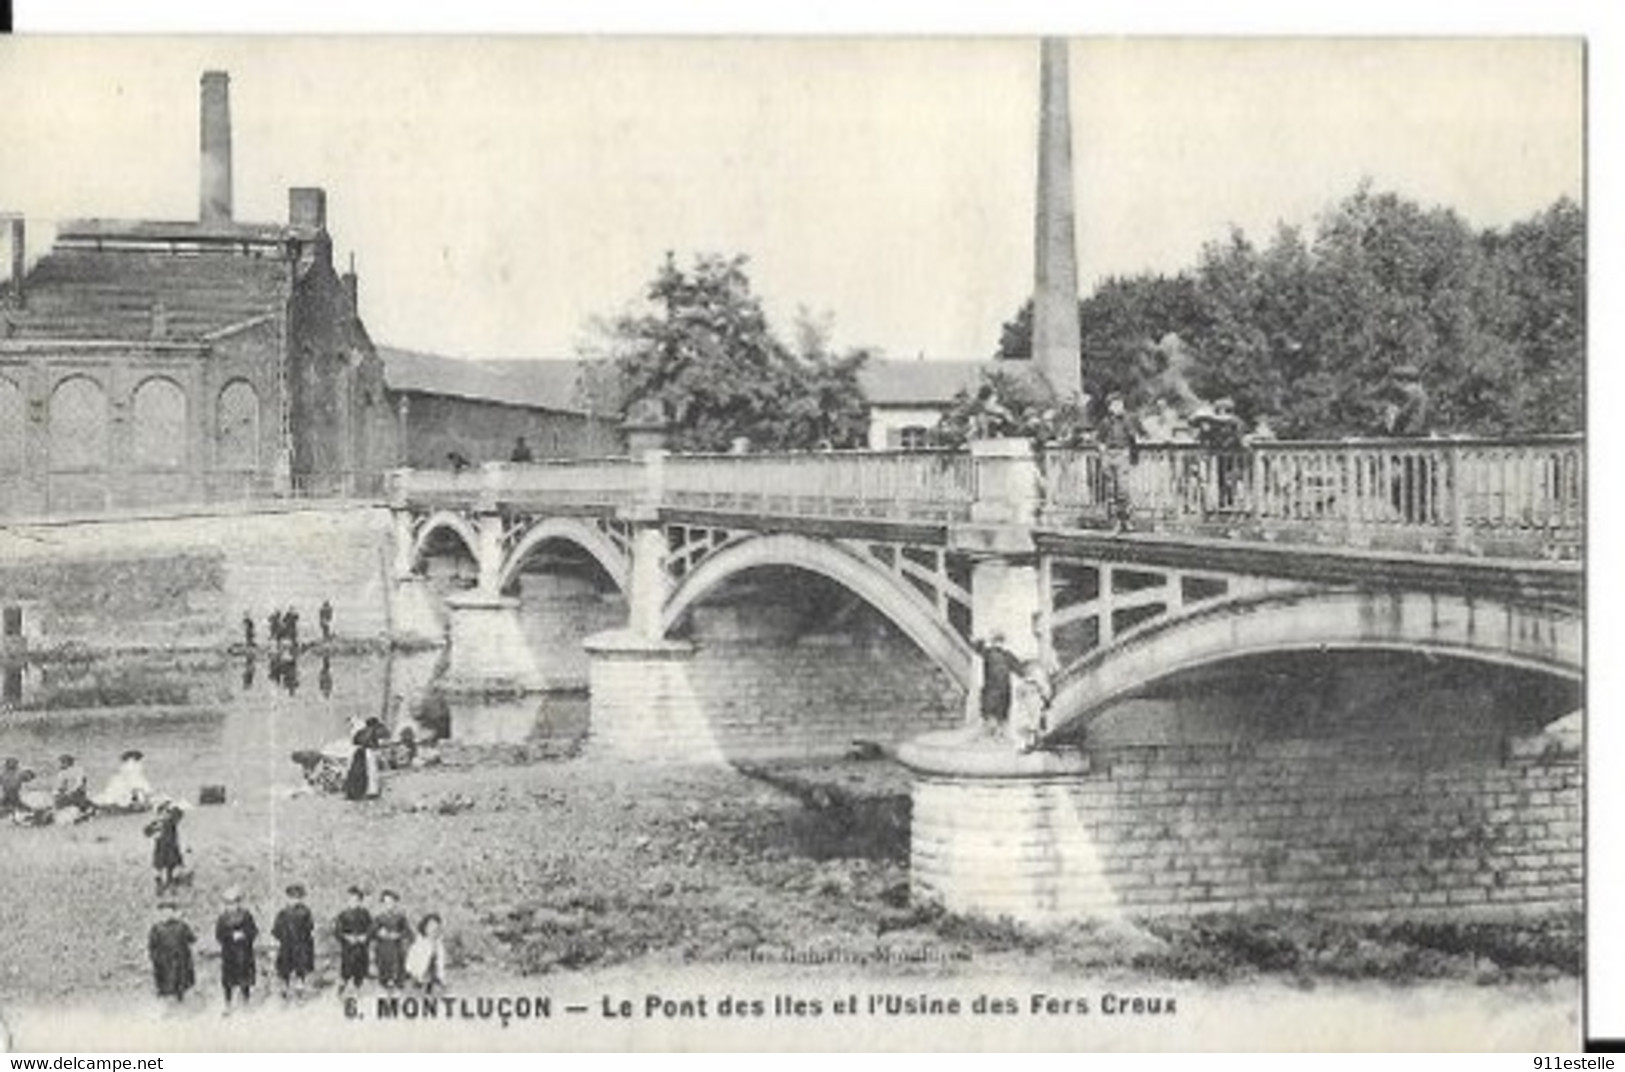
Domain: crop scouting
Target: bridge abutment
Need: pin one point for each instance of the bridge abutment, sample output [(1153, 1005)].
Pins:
[(998, 833)]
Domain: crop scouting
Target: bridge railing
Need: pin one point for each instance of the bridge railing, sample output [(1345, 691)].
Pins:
[(1492, 496), (598, 482), (1522, 498), (894, 485)]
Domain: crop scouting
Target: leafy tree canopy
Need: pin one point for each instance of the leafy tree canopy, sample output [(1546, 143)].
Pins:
[(704, 352), (1309, 331)]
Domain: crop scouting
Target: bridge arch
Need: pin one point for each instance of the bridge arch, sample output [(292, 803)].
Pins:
[(903, 607), (1525, 636), (445, 521), (570, 530)]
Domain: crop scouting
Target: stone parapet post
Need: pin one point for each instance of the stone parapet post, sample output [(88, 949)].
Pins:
[(644, 704), (995, 832), (1007, 482)]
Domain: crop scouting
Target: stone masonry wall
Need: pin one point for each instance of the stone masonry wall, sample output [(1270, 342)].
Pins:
[(720, 701), (1414, 827), (1351, 825), (820, 693)]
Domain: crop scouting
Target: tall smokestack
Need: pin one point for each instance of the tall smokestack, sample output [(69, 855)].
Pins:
[(1056, 334), (19, 258), (214, 191)]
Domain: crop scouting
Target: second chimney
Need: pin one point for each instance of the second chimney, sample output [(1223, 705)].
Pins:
[(214, 191), (19, 258)]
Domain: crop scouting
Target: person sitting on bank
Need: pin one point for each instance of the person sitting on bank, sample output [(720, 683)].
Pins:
[(71, 790), (13, 776), (521, 451), (128, 788)]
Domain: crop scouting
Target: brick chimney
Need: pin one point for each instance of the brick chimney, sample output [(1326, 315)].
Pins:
[(352, 287), (1055, 286), (19, 259), (214, 190), (307, 208)]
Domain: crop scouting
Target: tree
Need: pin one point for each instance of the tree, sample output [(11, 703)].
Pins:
[(1310, 332), (704, 352)]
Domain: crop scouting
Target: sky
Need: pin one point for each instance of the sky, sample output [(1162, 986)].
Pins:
[(502, 196)]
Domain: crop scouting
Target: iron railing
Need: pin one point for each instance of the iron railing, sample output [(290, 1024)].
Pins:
[(1522, 497)]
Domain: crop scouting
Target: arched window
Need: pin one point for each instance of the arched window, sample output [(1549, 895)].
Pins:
[(158, 432), (237, 430), (12, 426), (78, 425)]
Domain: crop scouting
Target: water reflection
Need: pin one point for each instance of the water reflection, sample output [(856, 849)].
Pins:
[(215, 719)]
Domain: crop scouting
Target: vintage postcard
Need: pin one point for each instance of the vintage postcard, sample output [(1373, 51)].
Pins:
[(545, 543)]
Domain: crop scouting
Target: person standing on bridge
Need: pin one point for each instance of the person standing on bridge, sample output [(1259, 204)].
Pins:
[(1120, 439)]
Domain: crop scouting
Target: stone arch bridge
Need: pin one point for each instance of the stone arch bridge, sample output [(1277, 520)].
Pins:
[(1458, 548)]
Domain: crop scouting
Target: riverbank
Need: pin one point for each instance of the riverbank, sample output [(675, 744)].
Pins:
[(563, 877)]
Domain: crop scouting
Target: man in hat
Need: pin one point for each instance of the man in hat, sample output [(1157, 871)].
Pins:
[(391, 931), (295, 932), (354, 929), (1406, 413), (236, 930), (169, 947)]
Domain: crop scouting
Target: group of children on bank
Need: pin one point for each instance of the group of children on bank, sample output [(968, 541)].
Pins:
[(402, 953)]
